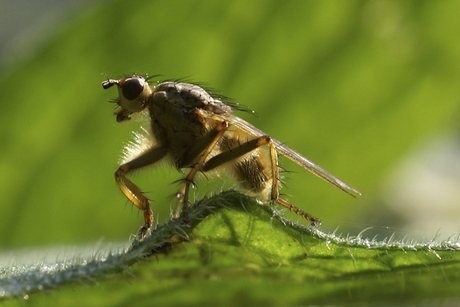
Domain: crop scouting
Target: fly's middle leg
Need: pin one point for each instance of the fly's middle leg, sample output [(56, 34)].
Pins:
[(199, 152)]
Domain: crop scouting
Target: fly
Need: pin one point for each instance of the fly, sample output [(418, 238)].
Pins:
[(195, 130)]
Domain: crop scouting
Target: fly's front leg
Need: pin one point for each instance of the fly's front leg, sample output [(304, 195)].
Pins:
[(132, 192), (201, 150), (248, 147)]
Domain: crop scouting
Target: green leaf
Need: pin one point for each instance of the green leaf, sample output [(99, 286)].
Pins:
[(236, 244)]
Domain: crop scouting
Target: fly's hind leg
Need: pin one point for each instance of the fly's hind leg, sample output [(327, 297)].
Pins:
[(275, 194), (132, 192), (196, 158), (248, 147)]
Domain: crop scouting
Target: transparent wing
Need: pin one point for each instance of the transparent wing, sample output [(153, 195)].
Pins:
[(293, 156)]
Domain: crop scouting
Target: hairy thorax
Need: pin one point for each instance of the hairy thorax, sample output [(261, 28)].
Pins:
[(176, 122)]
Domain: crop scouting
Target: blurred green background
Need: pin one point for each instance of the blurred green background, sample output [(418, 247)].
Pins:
[(355, 86)]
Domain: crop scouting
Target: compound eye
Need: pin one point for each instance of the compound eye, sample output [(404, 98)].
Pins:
[(132, 88)]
